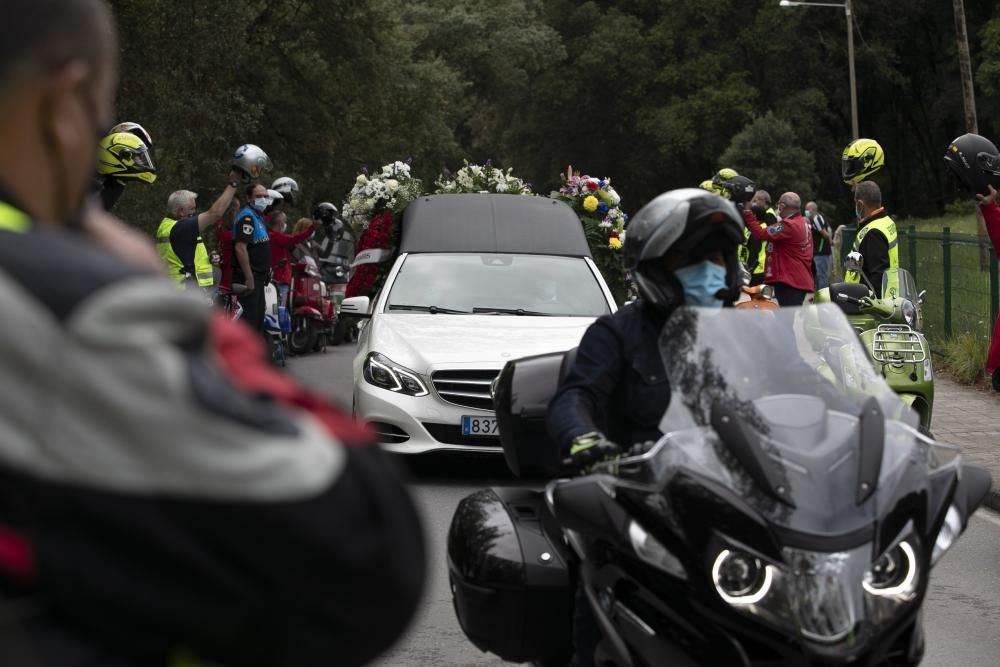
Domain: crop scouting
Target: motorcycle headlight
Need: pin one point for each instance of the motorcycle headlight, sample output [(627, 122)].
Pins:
[(893, 574), (827, 598), (909, 312), (740, 578), (382, 372)]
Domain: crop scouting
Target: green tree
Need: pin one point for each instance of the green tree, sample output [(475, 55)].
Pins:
[(768, 152)]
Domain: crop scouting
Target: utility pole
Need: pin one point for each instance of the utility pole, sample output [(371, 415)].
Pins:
[(969, 103), (965, 65)]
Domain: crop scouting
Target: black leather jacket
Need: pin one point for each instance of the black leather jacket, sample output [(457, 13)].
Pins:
[(617, 385)]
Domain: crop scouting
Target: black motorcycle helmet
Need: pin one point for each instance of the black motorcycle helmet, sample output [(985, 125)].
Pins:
[(739, 189), (974, 161), (689, 222), (326, 213)]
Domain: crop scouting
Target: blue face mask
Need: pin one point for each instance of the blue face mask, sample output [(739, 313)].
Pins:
[(260, 203), (701, 281)]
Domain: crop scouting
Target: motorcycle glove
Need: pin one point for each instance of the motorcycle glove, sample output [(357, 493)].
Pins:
[(590, 448)]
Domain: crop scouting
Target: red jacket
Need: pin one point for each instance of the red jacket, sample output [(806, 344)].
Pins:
[(281, 243), (224, 244), (991, 214), (789, 250)]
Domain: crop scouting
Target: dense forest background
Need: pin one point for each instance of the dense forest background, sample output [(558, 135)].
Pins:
[(656, 94)]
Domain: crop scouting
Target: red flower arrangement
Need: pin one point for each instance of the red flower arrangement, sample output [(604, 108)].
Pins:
[(378, 236)]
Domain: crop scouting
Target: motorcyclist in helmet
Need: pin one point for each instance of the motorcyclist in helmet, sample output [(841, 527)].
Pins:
[(681, 249), (974, 162), (124, 156)]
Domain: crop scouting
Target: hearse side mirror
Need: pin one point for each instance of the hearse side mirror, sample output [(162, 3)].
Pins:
[(356, 306), (921, 297)]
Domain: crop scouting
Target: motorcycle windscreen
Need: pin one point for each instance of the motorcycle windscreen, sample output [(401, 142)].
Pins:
[(785, 408)]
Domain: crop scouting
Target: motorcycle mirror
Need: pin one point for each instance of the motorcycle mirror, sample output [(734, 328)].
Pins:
[(583, 505), (854, 262)]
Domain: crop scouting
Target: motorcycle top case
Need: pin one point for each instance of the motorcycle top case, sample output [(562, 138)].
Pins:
[(513, 593), (521, 398)]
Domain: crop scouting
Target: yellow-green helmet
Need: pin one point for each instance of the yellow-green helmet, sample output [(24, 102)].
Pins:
[(861, 159), (723, 175), (707, 184), (124, 156)]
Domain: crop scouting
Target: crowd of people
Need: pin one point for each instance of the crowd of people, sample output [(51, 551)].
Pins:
[(788, 246)]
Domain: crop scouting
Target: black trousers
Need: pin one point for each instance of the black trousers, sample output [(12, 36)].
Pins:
[(253, 305), (788, 296)]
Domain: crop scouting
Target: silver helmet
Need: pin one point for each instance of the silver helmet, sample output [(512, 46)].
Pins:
[(251, 160), (287, 187)]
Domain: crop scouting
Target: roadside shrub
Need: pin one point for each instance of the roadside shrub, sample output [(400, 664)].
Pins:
[(965, 356)]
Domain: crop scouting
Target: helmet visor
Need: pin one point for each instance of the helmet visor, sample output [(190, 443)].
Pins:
[(988, 162), (138, 160), (850, 167)]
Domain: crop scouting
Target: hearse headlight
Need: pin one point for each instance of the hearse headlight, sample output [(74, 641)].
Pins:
[(382, 372)]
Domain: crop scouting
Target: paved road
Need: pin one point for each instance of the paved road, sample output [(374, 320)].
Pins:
[(962, 614)]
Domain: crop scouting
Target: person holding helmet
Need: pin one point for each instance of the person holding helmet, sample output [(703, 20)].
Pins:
[(760, 204), (166, 497), (179, 236), (122, 157), (860, 159), (681, 249), (788, 246), (974, 163), (876, 239), (281, 246)]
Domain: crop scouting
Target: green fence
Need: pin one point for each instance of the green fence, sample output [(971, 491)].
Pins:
[(959, 272)]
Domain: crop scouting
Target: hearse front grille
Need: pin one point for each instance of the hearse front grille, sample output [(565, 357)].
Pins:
[(467, 388)]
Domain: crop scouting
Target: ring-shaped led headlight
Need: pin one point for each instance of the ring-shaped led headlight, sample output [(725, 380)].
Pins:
[(740, 578), (894, 573)]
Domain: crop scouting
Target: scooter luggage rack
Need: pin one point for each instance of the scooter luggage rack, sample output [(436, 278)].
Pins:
[(897, 343)]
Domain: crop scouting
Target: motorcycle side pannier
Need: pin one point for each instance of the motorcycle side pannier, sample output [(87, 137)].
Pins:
[(521, 398), (507, 563)]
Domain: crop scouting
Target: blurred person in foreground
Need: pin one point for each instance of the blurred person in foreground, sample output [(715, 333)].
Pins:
[(165, 496)]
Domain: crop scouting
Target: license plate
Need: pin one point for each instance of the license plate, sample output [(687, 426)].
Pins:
[(479, 426)]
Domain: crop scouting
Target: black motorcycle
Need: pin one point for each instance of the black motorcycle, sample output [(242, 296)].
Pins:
[(790, 515)]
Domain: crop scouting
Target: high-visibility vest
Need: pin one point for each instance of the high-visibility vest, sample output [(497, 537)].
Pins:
[(887, 228), (175, 269), (744, 251), (13, 220)]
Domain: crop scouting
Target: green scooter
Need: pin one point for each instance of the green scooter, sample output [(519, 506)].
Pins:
[(890, 330)]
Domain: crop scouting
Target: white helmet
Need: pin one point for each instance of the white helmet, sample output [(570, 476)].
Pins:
[(251, 160), (275, 196), (287, 187)]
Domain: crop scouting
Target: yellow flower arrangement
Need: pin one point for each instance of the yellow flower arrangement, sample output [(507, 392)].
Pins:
[(614, 243), (590, 203)]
